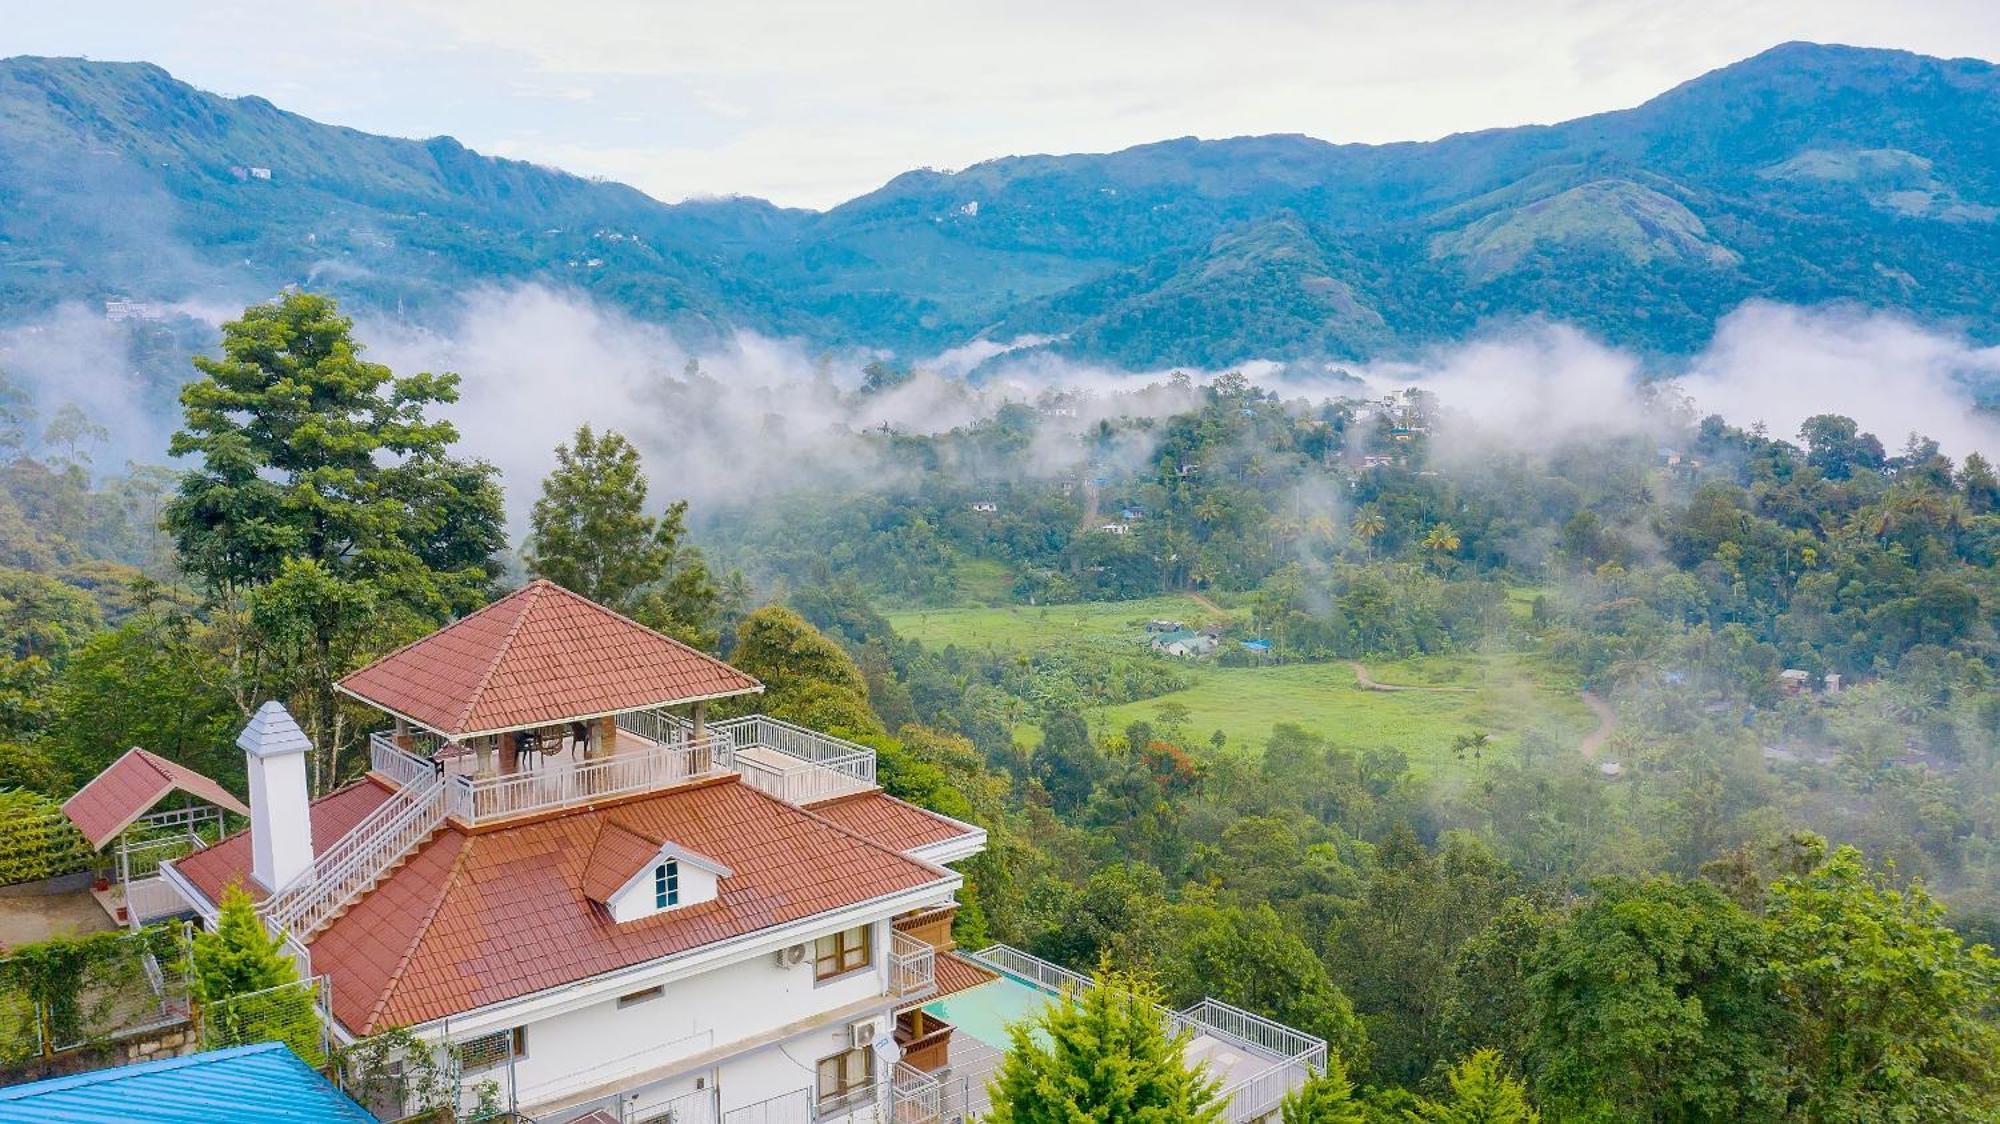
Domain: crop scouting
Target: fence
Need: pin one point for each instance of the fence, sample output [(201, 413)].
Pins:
[(795, 1107), (73, 993), (295, 1014)]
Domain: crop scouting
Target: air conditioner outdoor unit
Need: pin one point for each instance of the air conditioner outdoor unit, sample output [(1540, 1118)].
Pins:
[(863, 1033), (790, 956)]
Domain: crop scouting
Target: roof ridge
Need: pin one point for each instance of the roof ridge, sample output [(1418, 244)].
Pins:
[(681, 644), (445, 886), (530, 595)]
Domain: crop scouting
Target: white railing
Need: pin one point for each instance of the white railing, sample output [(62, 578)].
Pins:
[(482, 799), (912, 964), (357, 860), (1300, 1055), (810, 766), (149, 899), (657, 726), (1293, 1056), (794, 740), (697, 1107), (400, 765), (1034, 969), (795, 1107), (915, 1097)]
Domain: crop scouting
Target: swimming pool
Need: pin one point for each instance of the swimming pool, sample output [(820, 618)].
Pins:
[(986, 1011)]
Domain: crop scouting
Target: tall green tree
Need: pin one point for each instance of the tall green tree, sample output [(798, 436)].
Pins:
[(1895, 1015), (1654, 1001), (238, 955), (1102, 1056), (589, 532), (1481, 1093), (1326, 1097), (807, 678), (325, 517)]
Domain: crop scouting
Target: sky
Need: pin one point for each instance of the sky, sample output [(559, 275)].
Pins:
[(810, 103)]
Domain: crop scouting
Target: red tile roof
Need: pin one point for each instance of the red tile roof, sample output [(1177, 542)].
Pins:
[(129, 787), (539, 656), (893, 823), (332, 816), (477, 918), (614, 859), (956, 973)]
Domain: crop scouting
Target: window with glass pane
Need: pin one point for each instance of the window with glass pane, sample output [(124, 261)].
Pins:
[(842, 952), (845, 1077), (667, 884)]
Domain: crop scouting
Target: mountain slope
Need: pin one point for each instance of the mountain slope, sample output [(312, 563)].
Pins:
[(1807, 173)]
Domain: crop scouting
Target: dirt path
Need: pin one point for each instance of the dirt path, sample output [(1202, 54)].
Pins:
[(1367, 683), (1607, 721), (1089, 521), (1207, 604)]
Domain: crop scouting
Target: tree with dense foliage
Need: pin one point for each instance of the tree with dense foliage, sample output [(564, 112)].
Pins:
[(1481, 1093), (807, 678), (1326, 1097), (1893, 1013), (321, 506), (1103, 1055), (1654, 1001), (238, 955), (589, 532)]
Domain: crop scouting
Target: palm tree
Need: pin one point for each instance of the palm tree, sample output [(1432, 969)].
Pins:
[(1369, 523), (1441, 541)]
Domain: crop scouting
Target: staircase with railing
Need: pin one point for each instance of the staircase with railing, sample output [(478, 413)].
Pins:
[(359, 860)]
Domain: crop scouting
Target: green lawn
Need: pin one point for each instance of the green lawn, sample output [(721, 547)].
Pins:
[(1509, 694), (1503, 693), (1030, 626)]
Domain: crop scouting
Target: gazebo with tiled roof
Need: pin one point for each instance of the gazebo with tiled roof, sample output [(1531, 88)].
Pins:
[(537, 669)]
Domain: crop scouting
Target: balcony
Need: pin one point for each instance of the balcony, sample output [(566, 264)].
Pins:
[(651, 750), (912, 966)]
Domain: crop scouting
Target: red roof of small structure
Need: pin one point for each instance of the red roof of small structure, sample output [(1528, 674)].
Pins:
[(479, 917), (954, 973), (895, 824), (537, 657), (129, 787)]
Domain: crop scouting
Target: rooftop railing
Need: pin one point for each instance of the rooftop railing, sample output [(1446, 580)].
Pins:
[(476, 800), (1292, 1056), (802, 766)]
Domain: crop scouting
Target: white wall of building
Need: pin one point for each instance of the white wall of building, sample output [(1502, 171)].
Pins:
[(745, 1002)]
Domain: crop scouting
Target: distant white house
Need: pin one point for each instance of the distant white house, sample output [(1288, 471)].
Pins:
[(985, 507), (1114, 528), (119, 309), (257, 173)]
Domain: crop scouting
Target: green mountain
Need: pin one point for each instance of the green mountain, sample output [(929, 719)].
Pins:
[(1805, 174)]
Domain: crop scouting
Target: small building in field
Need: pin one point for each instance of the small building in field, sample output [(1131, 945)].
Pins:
[(1794, 681)]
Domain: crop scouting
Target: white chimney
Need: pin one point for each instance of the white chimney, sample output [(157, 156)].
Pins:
[(275, 750)]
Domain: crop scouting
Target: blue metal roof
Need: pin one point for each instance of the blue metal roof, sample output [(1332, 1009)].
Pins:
[(247, 1084)]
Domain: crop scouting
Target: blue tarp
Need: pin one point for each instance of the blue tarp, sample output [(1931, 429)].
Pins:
[(265, 1082)]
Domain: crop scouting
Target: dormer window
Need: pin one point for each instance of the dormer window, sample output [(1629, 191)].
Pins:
[(667, 884), (636, 876)]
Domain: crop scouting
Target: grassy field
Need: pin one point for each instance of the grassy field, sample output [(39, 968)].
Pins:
[(1028, 626), (1504, 695), (1500, 693)]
